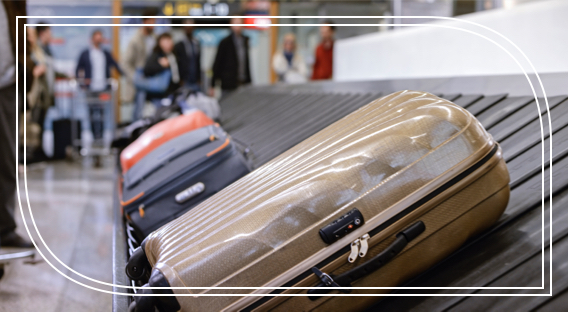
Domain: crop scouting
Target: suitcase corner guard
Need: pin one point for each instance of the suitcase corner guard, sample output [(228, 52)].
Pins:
[(345, 279), (150, 303)]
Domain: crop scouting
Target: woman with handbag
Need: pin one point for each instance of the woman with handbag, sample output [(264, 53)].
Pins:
[(160, 65)]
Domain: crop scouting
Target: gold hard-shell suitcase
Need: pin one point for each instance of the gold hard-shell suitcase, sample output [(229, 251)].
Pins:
[(370, 201)]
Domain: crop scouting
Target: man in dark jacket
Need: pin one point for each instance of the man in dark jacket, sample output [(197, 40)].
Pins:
[(231, 64), (8, 114), (95, 63), (188, 55)]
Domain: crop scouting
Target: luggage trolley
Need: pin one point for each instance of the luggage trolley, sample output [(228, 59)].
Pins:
[(5, 258), (98, 112)]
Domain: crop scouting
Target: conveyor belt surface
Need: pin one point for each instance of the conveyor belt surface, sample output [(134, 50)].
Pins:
[(492, 259), (272, 119)]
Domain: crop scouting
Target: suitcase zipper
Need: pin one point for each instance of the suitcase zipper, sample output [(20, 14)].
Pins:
[(359, 248), (364, 245), (382, 226), (346, 278)]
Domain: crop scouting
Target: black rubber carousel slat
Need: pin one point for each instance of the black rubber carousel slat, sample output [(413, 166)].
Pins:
[(486, 102), (488, 256), (483, 261), (531, 133), (528, 163), (232, 111), (234, 105), (277, 126), (522, 117), (558, 302), (243, 105), (451, 96), (529, 273), (307, 106), (523, 196), (321, 113), (262, 117), (505, 108), (261, 131), (254, 110), (467, 100)]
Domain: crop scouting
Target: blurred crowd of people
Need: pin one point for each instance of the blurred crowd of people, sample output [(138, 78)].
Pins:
[(149, 56), (155, 67), (290, 65)]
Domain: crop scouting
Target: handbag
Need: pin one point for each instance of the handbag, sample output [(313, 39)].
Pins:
[(155, 84)]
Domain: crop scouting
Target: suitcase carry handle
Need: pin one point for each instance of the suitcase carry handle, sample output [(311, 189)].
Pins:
[(345, 279)]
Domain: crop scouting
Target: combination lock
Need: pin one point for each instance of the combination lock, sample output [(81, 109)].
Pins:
[(342, 226)]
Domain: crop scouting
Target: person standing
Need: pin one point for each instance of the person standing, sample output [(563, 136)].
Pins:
[(44, 36), (288, 64), (8, 113), (44, 56), (138, 50), (188, 54), (39, 99), (323, 65), (40, 94), (95, 63), (231, 64), (93, 71), (163, 59), (43, 88)]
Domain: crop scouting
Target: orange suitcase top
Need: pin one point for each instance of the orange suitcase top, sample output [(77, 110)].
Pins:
[(160, 133)]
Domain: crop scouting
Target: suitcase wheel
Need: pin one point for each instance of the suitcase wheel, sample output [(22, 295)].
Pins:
[(138, 268), (150, 303)]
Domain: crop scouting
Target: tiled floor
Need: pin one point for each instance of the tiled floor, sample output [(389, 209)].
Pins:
[(71, 205)]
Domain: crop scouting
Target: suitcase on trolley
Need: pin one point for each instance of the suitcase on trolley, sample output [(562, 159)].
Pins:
[(159, 133), (370, 201), (178, 175)]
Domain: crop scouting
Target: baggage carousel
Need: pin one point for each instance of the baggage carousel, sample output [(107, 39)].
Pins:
[(269, 120)]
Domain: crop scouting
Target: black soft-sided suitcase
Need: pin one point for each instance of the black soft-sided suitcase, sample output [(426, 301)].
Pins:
[(178, 175)]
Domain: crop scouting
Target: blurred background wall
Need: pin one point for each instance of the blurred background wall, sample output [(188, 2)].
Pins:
[(360, 52), (537, 28)]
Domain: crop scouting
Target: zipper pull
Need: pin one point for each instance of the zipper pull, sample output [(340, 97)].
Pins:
[(364, 245), (354, 251)]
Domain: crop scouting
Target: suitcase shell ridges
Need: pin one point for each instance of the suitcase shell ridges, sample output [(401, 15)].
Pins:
[(402, 145)]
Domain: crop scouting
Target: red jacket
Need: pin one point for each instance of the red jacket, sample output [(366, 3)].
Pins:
[(323, 66)]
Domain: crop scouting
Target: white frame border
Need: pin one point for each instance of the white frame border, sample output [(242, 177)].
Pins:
[(317, 24)]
